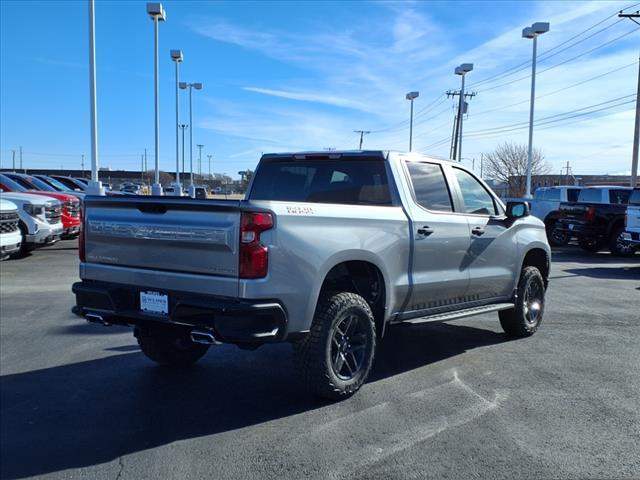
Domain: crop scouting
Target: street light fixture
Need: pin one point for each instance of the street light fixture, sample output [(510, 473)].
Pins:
[(157, 14), (461, 70), (532, 32), (411, 96), (176, 56), (190, 86)]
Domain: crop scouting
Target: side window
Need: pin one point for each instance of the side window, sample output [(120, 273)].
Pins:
[(619, 196), (430, 187), (572, 194), (476, 198)]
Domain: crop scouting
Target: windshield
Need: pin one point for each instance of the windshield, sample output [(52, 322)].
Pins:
[(10, 184), (40, 185), (55, 184)]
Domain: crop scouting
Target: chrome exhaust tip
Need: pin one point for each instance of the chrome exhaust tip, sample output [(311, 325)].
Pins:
[(204, 337), (95, 318)]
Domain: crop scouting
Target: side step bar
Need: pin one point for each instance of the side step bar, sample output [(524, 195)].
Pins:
[(467, 312)]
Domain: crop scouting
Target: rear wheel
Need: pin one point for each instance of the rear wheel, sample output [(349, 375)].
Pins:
[(618, 246), (590, 244), (168, 347), (335, 358), (525, 318)]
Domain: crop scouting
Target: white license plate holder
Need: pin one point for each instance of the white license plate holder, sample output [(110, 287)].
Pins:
[(154, 302)]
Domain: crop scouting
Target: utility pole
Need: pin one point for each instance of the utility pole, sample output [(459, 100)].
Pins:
[(14, 159), (183, 127), (209, 157), (462, 109), (362, 133), (567, 169), (142, 168), (20, 157), (200, 159), (636, 131), (481, 164), (82, 165)]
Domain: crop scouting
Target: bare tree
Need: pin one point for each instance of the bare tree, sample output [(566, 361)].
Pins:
[(508, 164)]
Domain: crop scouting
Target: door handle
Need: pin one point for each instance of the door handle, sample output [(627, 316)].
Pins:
[(478, 231), (425, 231)]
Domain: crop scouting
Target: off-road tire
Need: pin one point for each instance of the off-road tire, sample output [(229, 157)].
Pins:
[(616, 247), (515, 322), (169, 348), (313, 355), (590, 244)]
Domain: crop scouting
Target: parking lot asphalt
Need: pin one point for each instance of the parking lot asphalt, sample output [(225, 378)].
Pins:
[(454, 400)]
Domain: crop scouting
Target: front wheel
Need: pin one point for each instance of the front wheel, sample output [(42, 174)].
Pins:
[(334, 360), (590, 244), (557, 237), (525, 318), (617, 244), (169, 348)]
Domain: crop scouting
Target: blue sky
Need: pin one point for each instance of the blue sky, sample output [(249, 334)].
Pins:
[(282, 76)]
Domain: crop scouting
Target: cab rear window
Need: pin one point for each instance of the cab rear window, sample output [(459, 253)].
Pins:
[(351, 182)]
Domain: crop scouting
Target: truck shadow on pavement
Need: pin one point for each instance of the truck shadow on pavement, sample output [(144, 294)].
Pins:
[(88, 413), (609, 273)]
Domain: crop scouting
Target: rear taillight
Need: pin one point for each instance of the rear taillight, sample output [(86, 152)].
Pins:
[(590, 216), (81, 250), (254, 257)]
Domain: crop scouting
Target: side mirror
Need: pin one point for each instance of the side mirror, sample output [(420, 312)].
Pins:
[(517, 209)]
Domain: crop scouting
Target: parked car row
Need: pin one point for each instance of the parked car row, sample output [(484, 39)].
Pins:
[(33, 213), (594, 216)]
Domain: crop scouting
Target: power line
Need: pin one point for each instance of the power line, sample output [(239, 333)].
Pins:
[(526, 64), (552, 116), (483, 112), (541, 124)]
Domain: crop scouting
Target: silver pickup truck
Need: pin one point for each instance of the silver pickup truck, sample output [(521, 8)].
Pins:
[(326, 252)]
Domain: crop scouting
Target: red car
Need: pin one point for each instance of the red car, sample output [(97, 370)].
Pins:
[(19, 182)]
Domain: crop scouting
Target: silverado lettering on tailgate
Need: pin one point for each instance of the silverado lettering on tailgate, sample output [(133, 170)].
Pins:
[(160, 232)]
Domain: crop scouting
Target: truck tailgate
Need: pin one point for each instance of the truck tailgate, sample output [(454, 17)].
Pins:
[(173, 234)]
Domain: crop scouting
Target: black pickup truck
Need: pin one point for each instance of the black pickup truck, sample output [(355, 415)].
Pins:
[(597, 219)]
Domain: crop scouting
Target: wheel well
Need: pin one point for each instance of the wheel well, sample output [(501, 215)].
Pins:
[(364, 279), (538, 258)]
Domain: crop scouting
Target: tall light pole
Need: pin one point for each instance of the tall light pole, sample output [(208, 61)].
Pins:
[(532, 32), (95, 187), (209, 157), (200, 159), (191, 86), (462, 70), (176, 56), (157, 14), (411, 96), (183, 127)]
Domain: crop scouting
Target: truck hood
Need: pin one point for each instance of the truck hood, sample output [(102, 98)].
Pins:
[(63, 197), (21, 198), (7, 206)]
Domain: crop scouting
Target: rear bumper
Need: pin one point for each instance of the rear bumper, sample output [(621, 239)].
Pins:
[(580, 228), (232, 320)]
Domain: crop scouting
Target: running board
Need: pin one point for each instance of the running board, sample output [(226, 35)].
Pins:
[(467, 312)]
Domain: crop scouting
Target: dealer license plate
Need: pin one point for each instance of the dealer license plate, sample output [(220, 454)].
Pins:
[(154, 302), (570, 226)]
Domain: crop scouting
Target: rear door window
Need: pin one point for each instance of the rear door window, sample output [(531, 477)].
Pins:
[(351, 182), (429, 186), (590, 195), (619, 196), (634, 199)]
